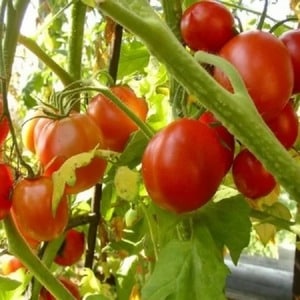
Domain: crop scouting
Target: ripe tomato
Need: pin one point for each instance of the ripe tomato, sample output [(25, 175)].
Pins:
[(291, 39), (71, 286), (58, 140), (10, 265), (207, 25), (250, 177), (226, 139), (182, 165), (72, 248), (115, 125), (32, 209), (6, 185), (265, 66), (4, 126), (285, 126)]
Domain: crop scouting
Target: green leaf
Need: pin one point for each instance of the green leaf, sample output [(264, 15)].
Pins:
[(229, 223), (90, 3), (184, 270), (8, 284), (134, 58)]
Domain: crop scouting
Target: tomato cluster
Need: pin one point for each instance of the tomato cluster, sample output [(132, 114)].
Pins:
[(270, 68), (184, 164)]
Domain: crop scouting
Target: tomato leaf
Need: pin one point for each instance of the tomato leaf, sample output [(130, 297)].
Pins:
[(229, 223), (8, 284), (183, 270), (90, 3)]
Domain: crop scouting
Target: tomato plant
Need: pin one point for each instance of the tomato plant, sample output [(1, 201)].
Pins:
[(291, 39), (32, 209), (265, 66), (207, 25), (250, 176), (114, 124), (58, 140), (72, 248), (178, 186), (6, 179)]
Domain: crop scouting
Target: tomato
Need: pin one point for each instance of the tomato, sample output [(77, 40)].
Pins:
[(4, 125), (6, 180), (285, 126), (28, 128), (10, 265), (58, 140), (226, 139), (115, 125), (71, 249), (182, 166), (32, 209), (71, 286), (291, 39), (207, 25), (32, 243), (250, 177), (265, 66)]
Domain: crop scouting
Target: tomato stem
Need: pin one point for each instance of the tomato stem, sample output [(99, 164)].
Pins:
[(31, 45), (19, 248)]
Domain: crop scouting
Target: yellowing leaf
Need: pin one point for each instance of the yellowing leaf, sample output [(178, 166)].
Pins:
[(127, 183), (266, 232)]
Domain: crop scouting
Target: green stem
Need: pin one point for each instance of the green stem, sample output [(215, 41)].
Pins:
[(48, 257), (263, 15), (76, 39), (15, 13), (19, 248), (31, 45), (246, 124)]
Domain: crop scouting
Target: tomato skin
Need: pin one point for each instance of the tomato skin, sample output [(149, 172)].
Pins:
[(71, 249), (225, 137), (250, 177), (28, 128), (32, 209), (71, 286), (291, 39), (4, 125), (58, 140), (265, 66), (207, 25), (285, 126), (6, 185), (181, 165), (115, 125)]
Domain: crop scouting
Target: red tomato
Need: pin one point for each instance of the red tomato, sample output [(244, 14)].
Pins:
[(207, 25), (71, 286), (71, 249), (265, 66), (32, 209), (250, 177), (58, 140), (11, 265), (6, 185), (115, 125), (226, 139), (285, 126), (4, 126), (182, 165), (291, 39)]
